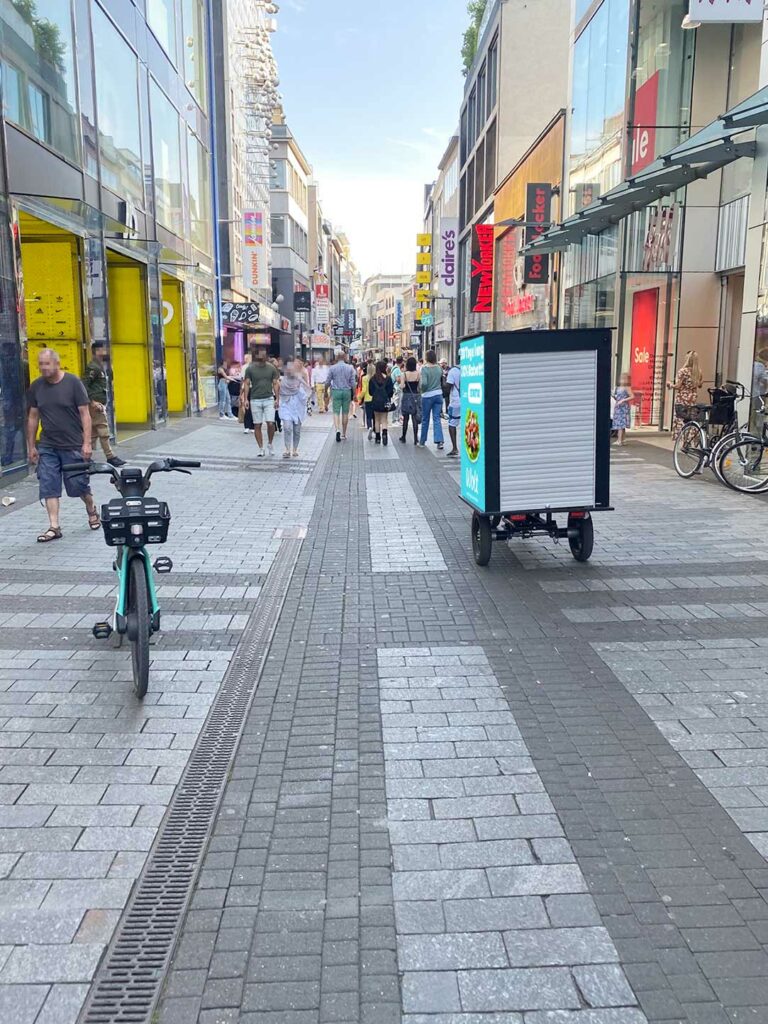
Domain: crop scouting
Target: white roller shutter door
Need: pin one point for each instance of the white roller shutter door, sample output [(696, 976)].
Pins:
[(547, 414)]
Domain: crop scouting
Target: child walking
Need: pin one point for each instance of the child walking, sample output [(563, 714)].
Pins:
[(623, 397)]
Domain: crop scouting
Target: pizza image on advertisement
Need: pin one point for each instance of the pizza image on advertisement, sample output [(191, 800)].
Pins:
[(472, 436)]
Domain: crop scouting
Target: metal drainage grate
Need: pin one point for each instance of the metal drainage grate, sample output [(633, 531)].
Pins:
[(127, 985)]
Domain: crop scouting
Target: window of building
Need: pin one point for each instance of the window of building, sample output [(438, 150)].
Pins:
[(493, 74), (279, 174), (472, 119), (481, 97), (12, 98), (463, 199), (490, 159), (451, 180), (166, 153), (479, 177), (470, 207), (193, 27), (117, 103), (37, 44), (161, 18), (199, 192), (464, 137), (278, 229)]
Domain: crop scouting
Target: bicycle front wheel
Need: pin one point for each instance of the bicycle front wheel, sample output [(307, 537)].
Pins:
[(744, 466), (690, 450), (138, 625)]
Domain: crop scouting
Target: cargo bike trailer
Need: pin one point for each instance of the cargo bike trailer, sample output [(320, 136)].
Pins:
[(535, 436)]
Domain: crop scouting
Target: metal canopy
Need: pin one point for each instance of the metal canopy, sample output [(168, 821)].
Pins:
[(708, 150)]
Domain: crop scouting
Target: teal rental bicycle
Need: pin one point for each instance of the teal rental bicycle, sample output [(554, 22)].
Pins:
[(130, 522)]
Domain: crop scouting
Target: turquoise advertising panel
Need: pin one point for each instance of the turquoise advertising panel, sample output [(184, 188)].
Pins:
[(472, 440)]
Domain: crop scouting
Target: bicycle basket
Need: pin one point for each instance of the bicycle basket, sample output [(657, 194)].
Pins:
[(691, 413), (135, 522), (723, 405)]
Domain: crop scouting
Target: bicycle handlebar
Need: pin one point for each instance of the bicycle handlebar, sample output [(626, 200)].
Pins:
[(183, 464), (163, 466)]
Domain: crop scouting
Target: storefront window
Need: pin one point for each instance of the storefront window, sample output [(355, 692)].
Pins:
[(193, 23), (166, 155), (199, 193), (744, 80), (117, 101), (662, 101), (37, 46), (161, 18), (599, 74), (11, 93)]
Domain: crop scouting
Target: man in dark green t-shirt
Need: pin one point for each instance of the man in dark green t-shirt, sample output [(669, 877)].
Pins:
[(95, 381), (261, 390)]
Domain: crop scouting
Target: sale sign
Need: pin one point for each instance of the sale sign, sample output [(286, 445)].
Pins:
[(644, 134), (645, 313)]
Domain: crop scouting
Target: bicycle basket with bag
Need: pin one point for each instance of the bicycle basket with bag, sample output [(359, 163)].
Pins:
[(692, 413), (135, 522), (723, 405)]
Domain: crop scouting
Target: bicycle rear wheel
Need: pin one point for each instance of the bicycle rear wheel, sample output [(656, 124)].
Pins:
[(744, 466), (138, 625), (690, 450)]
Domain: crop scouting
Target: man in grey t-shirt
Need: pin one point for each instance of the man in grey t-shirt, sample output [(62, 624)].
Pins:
[(341, 384), (59, 400)]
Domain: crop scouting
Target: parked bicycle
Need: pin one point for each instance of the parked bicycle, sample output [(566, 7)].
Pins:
[(707, 429), (130, 522), (743, 461)]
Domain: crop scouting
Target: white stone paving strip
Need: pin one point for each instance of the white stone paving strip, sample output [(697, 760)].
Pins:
[(493, 914), (397, 522), (709, 699), (86, 774), (373, 452)]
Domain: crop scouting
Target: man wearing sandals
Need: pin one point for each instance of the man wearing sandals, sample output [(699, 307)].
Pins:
[(59, 400)]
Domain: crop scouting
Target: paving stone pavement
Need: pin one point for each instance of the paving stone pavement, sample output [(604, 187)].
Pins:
[(462, 795), (86, 771)]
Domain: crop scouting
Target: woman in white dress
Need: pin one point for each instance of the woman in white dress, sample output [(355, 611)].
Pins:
[(294, 392)]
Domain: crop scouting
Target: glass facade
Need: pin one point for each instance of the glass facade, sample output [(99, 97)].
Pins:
[(161, 18), (199, 193), (193, 24), (117, 99), (166, 159), (38, 71)]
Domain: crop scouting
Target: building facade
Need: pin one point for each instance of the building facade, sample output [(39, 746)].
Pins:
[(441, 222), (106, 200)]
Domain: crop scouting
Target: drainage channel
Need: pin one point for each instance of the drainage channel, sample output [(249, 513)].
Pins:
[(127, 984)]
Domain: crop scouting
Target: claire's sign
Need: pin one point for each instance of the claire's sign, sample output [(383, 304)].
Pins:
[(449, 233)]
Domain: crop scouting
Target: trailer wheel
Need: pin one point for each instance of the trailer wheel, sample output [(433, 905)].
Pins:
[(581, 537), (481, 538)]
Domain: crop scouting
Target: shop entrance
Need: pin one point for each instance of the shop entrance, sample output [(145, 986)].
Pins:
[(53, 298), (129, 342), (176, 370), (730, 328)]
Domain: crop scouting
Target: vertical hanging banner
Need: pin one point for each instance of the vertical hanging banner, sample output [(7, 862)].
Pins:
[(255, 268), (449, 233), (481, 283), (423, 276), (322, 304), (538, 214)]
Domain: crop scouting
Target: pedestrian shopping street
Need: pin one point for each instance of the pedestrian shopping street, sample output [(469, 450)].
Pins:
[(532, 793)]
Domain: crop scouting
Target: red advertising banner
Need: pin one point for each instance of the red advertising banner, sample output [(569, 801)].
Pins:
[(645, 312), (644, 134), (481, 284)]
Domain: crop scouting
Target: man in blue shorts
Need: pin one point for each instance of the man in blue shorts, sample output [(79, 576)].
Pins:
[(59, 400)]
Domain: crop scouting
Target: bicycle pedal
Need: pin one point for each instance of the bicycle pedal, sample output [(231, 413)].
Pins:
[(163, 565), (102, 631)]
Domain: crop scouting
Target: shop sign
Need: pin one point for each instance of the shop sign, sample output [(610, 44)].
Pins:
[(322, 304), (349, 322), (658, 239), (538, 214), (423, 274), (481, 284), (302, 302), (399, 315), (255, 268), (240, 312), (449, 233), (517, 305), (473, 439), (726, 11), (644, 134)]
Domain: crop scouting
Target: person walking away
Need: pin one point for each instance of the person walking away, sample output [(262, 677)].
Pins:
[(366, 400), (223, 380), (234, 387), (687, 383), (354, 399), (623, 397), (431, 400), (397, 376), (453, 380), (294, 392), (281, 370), (59, 400), (341, 382), (446, 387), (319, 380), (382, 388), (261, 391), (95, 381), (410, 405)]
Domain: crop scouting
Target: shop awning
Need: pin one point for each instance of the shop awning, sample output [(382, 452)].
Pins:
[(708, 150)]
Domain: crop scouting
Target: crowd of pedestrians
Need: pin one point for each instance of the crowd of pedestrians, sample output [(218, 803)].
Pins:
[(404, 392)]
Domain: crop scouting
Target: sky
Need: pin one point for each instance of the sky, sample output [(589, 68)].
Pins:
[(371, 91)]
